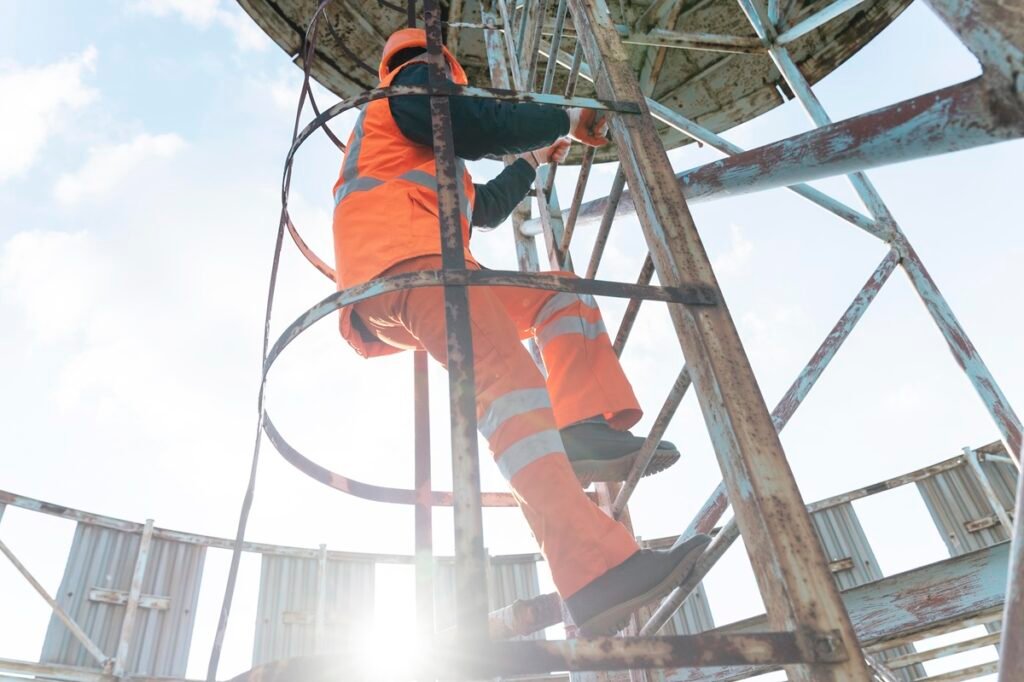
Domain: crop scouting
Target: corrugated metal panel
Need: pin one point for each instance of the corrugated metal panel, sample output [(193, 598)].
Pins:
[(956, 500), (287, 608), (507, 581), (853, 563), (104, 559)]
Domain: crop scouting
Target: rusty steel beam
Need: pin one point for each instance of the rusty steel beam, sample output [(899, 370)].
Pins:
[(455, 661), (963, 350), (951, 119), (633, 308), (789, 565), (944, 596), (810, 23), (470, 558), (713, 509)]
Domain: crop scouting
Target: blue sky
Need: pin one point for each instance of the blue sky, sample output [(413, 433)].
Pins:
[(142, 146)]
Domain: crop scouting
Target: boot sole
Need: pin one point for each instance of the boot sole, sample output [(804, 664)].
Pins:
[(610, 622), (617, 470)]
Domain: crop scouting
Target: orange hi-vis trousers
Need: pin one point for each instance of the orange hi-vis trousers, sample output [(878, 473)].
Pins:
[(519, 413)]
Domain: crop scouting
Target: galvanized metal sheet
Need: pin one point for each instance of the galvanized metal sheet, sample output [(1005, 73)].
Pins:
[(100, 566), (286, 614), (507, 581), (853, 563), (960, 509), (717, 89)]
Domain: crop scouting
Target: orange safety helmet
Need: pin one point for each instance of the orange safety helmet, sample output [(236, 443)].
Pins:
[(415, 37)]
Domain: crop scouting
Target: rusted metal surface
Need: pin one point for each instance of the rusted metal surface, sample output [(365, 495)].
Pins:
[(629, 316), (885, 612), (947, 120), (718, 502), (947, 650), (830, 346), (791, 572), (454, 661), (618, 185), (740, 91), (661, 422), (964, 352), (470, 558)]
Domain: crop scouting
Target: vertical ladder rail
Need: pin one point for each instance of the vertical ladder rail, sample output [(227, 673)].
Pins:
[(470, 559), (790, 566)]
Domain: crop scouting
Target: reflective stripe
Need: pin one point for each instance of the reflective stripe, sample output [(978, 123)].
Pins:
[(350, 168), (425, 179), (510, 405), (561, 302), (524, 452), (357, 185), (421, 178), (352, 182), (570, 325)]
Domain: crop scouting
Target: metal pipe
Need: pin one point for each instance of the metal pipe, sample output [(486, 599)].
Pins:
[(618, 184), (131, 607), (586, 164), (942, 651), (424, 537), (1011, 650), (718, 502), (812, 22), (320, 624), (668, 410), (719, 545), (556, 39), (963, 350), (629, 317), (534, 42), (58, 611), (660, 37), (986, 487)]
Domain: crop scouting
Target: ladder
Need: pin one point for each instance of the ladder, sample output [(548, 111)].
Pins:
[(809, 632)]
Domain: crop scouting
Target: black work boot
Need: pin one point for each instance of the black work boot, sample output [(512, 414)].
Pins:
[(598, 452), (603, 606)]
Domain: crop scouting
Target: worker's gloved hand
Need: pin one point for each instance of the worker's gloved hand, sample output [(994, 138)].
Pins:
[(557, 151), (589, 127)]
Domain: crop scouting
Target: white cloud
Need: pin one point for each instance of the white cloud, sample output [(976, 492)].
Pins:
[(737, 258), (108, 166), (206, 13), (54, 278), (35, 103)]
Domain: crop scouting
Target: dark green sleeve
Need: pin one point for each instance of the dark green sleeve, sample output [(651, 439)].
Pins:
[(481, 127), (499, 197)]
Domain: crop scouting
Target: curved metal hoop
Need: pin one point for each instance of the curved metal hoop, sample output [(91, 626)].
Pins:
[(690, 295)]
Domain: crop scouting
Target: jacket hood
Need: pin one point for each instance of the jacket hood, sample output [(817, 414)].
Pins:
[(415, 37)]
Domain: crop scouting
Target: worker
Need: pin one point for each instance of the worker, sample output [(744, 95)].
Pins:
[(547, 436)]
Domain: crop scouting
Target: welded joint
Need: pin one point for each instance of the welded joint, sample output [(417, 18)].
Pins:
[(822, 647)]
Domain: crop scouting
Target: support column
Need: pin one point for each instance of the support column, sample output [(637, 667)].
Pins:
[(788, 562)]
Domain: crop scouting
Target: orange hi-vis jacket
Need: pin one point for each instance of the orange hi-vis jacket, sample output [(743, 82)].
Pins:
[(385, 199)]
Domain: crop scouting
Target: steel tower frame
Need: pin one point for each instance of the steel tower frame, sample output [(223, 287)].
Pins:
[(811, 633)]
